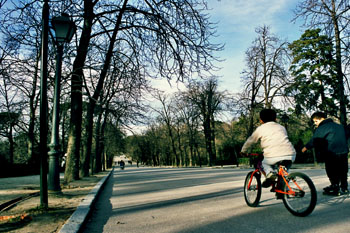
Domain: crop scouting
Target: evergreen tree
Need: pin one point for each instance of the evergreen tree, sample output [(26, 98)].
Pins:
[(313, 69)]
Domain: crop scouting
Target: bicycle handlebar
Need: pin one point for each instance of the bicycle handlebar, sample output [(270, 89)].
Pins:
[(251, 154)]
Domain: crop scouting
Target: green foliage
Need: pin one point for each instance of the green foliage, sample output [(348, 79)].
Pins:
[(20, 155), (314, 70), (228, 152), (4, 153), (139, 149), (115, 140)]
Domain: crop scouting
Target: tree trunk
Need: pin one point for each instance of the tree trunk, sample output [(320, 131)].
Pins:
[(97, 93), (198, 155), (12, 143), (208, 142), (31, 136), (342, 102), (181, 159), (212, 138), (98, 152), (102, 143), (177, 161), (34, 157), (74, 138)]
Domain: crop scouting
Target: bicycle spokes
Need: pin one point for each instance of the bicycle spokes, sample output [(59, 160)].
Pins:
[(296, 191), (252, 189), (301, 197)]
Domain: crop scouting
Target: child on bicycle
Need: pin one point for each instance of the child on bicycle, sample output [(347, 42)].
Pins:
[(274, 142)]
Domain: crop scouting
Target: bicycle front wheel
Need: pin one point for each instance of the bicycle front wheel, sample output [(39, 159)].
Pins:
[(252, 189), (303, 196)]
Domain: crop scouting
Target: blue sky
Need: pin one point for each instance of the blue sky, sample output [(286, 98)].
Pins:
[(236, 24), (237, 21)]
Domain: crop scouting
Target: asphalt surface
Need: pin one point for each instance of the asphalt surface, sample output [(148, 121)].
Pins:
[(80, 218), (205, 200)]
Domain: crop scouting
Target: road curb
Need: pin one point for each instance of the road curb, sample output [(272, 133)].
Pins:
[(77, 219)]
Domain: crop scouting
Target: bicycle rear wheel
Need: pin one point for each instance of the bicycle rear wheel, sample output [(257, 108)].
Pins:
[(303, 201), (252, 189)]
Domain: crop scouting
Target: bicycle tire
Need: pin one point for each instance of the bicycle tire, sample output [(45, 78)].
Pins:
[(304, 201), (253, 194)]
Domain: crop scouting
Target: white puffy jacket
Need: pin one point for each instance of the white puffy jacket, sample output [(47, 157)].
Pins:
[(273, 140)]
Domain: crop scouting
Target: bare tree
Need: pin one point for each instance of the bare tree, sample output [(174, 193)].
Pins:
[(21, 32), (168, 39), (189, 115), (266, 73), (253, 82), (118, 106), (97, 92), (166, 114), (9, 112), (207, 99), (153, 33)]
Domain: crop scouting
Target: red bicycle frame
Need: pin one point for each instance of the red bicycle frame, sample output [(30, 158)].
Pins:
[(282, 173)]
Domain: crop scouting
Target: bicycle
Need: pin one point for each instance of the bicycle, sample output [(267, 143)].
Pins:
[(295, 189)]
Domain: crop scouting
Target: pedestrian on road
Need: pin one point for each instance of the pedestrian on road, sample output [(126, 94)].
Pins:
[(331, 142), (122, 164)]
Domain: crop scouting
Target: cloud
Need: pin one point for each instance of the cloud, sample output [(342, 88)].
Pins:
[(239, 16), (247, 10), (236, 24)]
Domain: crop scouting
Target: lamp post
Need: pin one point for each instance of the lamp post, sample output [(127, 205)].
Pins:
[(43, 106), (64, 31)]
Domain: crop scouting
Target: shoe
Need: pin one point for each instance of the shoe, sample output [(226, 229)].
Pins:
[(344, 191), (332, 190), (332, 193), (270, 179), (328, 188)]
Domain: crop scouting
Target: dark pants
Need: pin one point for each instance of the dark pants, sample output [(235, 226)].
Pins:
[(337, 169)]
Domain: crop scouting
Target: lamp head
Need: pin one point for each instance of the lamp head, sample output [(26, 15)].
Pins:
[(64, 28)]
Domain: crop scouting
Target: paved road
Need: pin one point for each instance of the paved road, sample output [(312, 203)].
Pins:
[(205, 200)]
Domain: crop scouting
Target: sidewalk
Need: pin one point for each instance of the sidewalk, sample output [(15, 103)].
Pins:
[(66, 212), (79, 216)]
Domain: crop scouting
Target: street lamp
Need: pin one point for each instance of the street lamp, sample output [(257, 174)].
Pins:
[(43, 106), (64, 30)]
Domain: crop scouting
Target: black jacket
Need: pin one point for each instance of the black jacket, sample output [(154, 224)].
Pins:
[(329, 137)]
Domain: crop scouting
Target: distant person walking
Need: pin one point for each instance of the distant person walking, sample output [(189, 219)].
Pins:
[(122, 164), (331, 142)]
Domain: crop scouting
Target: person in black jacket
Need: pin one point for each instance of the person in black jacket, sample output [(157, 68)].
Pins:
[(330, 140)]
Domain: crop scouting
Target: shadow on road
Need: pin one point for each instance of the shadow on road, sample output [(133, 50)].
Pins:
[(104, 204)]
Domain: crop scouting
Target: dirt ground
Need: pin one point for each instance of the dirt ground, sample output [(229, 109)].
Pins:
[(28, 217)]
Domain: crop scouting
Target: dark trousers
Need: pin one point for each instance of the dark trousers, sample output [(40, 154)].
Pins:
[(337, 169)]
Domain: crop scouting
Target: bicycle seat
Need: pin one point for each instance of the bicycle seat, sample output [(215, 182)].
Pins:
[(286, 163)]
